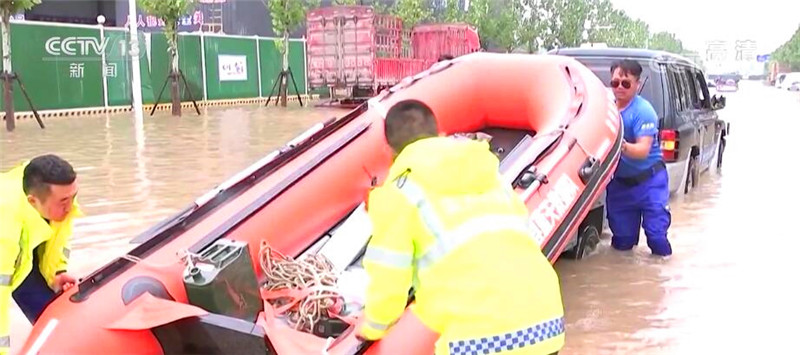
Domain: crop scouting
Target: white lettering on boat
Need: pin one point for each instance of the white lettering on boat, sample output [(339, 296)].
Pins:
[(546, 217)]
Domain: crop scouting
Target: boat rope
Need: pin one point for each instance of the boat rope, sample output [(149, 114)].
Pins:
[(313, 277), (580, 145)]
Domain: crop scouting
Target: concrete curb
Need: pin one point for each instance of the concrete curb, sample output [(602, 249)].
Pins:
[(91, 111)]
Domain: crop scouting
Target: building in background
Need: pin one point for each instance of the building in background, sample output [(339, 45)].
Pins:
[(76, 11), (233, 17), (215, 9)]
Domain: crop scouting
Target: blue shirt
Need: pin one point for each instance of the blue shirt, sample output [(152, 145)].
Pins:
[(639, 119)]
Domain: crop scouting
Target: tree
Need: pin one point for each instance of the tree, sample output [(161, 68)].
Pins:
[(573, 16), (8, 8), (789, 52), (346, 2), (600, 22), (563, 22), (504, 26), (479, 16), (452, 13), (666, 41), (626, 32), (531, 25), (497, 22), (379, 6), (412, 12), (170, 11), (287, 15), (548, 12)]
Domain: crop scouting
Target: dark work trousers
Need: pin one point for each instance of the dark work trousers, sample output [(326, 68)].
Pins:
[(33, 295), (643, 205)]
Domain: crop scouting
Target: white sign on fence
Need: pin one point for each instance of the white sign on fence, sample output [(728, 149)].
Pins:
[(232, 67)]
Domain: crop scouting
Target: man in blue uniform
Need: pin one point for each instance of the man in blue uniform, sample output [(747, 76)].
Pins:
[(638, 195)]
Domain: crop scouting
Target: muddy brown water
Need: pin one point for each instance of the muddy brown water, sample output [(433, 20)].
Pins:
[(730, 286)]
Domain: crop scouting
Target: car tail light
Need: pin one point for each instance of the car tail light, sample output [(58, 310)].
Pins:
[(669, 145)]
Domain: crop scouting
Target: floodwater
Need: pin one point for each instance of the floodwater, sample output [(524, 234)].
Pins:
[(131, 177), (729, 286)]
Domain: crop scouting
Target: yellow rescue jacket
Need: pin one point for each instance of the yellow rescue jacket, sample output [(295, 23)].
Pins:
[(444, 222), (22, 229)]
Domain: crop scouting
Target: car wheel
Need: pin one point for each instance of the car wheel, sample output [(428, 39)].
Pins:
[(720, 151), (588, 240), (691, 175)]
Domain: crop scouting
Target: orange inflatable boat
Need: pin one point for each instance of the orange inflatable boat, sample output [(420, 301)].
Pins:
[(192, 283)]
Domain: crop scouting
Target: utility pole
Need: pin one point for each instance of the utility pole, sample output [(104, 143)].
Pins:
[(136, 85)]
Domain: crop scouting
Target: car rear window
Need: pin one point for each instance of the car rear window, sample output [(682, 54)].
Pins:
[(652, 88)]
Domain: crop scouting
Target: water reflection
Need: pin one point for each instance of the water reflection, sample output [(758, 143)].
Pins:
[(729, 287), (134, 174)]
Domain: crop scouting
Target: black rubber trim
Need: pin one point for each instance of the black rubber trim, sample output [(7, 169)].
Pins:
[(166, 231), (560, 236)]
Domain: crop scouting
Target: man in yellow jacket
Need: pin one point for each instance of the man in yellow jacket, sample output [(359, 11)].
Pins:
[(446, 224), (37, 207)]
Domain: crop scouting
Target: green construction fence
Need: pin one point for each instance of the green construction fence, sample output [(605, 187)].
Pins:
[(63, 66)]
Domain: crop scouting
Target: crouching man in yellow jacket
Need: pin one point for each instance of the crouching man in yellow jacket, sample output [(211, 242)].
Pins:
[(447, 225), (37, 206)]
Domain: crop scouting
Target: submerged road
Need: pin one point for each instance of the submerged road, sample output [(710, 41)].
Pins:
[(730, 285)]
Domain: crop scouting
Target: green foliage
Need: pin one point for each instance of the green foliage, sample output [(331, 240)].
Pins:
[(380, 8), (601, 22), (452, 13), (170, 11), (623, 31), (564, 21), (666, 41), (287, 15), (479, 15), (573, 15), (531, 25), (497, 21), (166, 9), (10, 7), (789, 52), (504, 27), (412, 12), (345, 2)]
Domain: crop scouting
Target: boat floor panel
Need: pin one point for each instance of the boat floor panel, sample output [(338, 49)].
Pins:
[(504, 140)]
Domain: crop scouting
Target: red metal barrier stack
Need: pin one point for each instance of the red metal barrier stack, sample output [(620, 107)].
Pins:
[(352, 49)]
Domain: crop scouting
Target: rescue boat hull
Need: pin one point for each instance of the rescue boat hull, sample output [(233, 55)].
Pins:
[(558, 135)]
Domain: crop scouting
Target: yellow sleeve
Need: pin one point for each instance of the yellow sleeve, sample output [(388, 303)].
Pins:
[(10, 231), (389, 261), (63, 260)]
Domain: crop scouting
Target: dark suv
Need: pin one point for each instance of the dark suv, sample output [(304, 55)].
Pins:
[(692, 135)]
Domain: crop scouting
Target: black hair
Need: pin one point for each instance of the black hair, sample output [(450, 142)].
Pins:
[(444, 57), (46, 170), (408, 121), (628, 67)]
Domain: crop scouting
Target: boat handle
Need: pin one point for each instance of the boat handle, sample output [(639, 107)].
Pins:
[(588, 169), (529, 176)]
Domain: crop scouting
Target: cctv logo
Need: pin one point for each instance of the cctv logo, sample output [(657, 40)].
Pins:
[(74, 45)]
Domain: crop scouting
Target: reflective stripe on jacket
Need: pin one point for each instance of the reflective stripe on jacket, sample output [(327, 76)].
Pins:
[(447, 224), (22, 229)]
